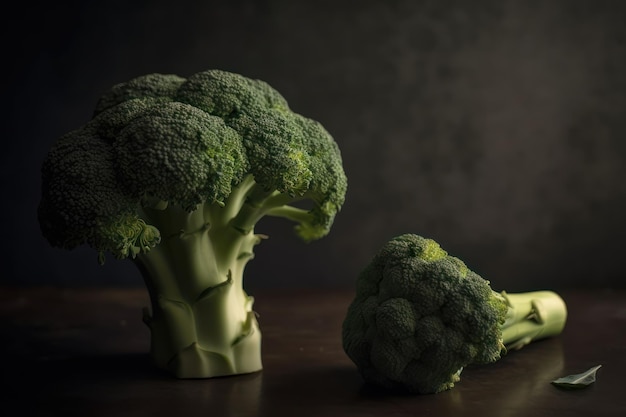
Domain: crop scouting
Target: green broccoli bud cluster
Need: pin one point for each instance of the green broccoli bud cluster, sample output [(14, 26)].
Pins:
[(187, 142)]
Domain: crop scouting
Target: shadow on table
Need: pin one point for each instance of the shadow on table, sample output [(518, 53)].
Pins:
[(122, 385), (519, 382), (306, 390)]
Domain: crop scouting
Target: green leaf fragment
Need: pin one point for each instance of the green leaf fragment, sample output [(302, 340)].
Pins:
[(577, 381)]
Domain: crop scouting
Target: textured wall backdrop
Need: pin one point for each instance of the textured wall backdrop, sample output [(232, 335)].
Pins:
[(496, 127)]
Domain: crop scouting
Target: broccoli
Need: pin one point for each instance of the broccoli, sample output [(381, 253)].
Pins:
[(174, 173), (420, 316)]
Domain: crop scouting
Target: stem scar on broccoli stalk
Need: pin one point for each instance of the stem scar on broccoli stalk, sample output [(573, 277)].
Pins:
[(174, 173), (420, 316)]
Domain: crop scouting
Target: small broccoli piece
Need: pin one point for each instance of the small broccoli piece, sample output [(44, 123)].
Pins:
[(420, 316), (174, 173)]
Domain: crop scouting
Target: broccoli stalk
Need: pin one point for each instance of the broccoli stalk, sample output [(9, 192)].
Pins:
[(199, 264), (196, 272), (174, 174), (420, 316), (532, 316)]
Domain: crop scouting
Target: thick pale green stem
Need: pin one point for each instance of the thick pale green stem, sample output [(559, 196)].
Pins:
[(215, 334), (201, 321), (532, 316)]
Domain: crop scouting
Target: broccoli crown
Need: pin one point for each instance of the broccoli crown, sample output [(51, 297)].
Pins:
[(184, 141), (420, 316)]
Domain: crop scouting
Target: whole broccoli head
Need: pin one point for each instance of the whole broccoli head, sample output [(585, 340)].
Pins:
[(420, 316), (175, 173)]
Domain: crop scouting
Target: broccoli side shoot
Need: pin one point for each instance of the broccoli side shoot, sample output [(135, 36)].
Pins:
[(420, 316), (174, 173)]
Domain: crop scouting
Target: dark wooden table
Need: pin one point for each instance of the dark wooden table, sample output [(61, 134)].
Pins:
[(83, 352)]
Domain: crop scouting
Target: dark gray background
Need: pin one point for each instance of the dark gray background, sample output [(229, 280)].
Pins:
[(495, 127)]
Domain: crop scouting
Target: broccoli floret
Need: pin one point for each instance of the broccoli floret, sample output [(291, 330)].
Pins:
[(420, 316), (174, 173)]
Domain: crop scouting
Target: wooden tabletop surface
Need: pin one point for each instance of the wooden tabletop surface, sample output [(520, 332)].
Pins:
[(83, 352)]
